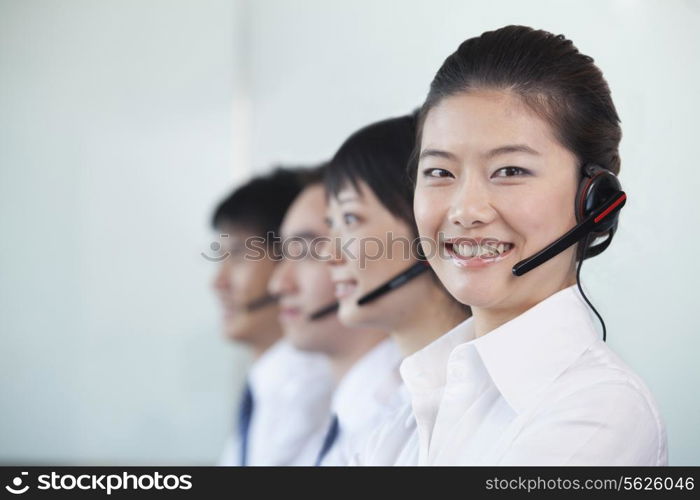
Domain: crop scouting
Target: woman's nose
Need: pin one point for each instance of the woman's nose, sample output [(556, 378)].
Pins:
[(471, 204), (332, 250)]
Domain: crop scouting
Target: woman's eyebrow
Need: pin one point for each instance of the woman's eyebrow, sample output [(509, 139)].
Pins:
[(501, 150), (510, 148), (306, 235), (437, 153)]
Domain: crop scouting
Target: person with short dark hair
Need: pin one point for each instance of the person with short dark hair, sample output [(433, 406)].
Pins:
[(370, 210), (287, 393), (364, 360), (370, 202)]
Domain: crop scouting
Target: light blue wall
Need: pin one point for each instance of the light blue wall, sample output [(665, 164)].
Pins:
[(115, 142)]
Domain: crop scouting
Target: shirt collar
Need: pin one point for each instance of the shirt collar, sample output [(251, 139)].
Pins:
[(526, 354), (270, 373), (424, 370), (522, 356), (369, 385)]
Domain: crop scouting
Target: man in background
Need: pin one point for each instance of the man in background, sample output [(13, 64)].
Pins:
[(364, 362), (287, 393)]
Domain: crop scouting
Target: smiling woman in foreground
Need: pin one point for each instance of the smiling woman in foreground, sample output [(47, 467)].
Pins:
[(517, 144)]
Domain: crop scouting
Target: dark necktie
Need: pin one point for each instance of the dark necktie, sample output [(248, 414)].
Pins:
[(245, 414), (328, 441)]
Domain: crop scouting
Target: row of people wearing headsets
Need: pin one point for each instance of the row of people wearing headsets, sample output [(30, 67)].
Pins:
[(424, 306)]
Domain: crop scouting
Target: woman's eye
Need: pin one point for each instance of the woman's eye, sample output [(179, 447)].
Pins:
[(349, 219), (510, 172), (436, 173)]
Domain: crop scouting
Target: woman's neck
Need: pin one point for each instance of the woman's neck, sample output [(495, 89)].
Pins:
[(487, 319)]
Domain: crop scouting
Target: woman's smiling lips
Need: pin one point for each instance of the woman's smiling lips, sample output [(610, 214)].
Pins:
[(477, 253)]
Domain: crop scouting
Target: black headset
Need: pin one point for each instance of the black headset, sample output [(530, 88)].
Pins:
[(597, 186), (597, 206), (599, 199)]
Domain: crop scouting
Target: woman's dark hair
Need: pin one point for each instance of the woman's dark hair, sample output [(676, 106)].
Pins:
[(378, 155), (552, 77)]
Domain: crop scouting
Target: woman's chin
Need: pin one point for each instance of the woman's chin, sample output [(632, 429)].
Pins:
[(350, 314), (476, 293)]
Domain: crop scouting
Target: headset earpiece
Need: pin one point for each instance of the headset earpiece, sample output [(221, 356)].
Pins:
[(597, 186), (599, 200)]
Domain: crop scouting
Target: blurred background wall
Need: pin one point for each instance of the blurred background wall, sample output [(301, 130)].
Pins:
[(116, 126), (123, 122)]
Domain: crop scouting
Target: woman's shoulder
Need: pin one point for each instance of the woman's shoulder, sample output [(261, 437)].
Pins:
[(599, 368), (601, 396)]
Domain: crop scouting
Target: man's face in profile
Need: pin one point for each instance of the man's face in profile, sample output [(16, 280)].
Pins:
[(242, 281), (302, 279)]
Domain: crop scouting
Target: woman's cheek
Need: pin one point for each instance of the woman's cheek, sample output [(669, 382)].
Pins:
[(527, 221), (352, 247), (545, 222), (426, 212)]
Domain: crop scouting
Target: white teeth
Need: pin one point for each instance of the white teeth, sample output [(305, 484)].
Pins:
[(487, 251), (465, 250), (503, 248), (468, 251)]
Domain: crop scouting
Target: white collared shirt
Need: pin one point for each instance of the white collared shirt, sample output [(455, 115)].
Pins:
[(541, 389), (292, 394), (365, 397)]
